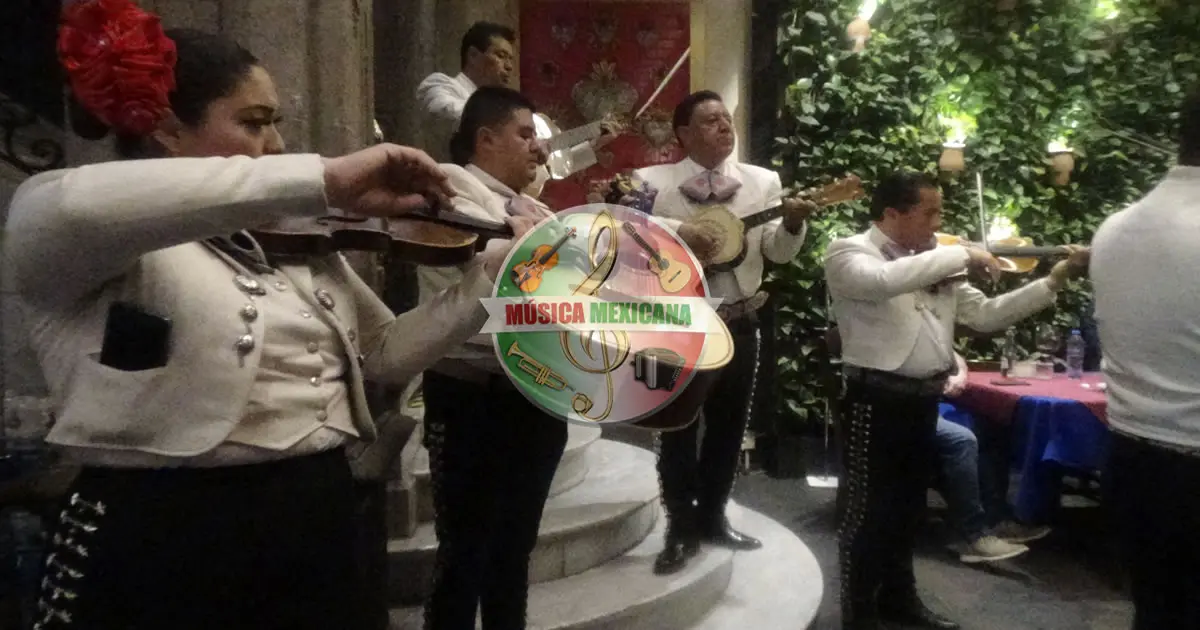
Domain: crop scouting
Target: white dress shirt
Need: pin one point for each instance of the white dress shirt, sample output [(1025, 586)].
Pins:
[(443, 98), (1144, 265), (760, 189), (890, 321)]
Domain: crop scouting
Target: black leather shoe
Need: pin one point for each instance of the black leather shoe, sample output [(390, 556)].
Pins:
[(915, 614), (723, 535), (675, 555)]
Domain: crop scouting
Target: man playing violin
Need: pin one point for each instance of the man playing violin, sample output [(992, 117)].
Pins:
[(897, 296), (696, 485), (487, 59), (492, 453)]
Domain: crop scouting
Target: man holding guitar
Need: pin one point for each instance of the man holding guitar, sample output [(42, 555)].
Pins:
[(696, 486)]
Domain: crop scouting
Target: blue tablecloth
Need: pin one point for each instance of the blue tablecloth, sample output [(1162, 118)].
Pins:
[(1049, 435)]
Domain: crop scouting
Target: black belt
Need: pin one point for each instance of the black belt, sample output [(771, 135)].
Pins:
[(463, 371), (895, 383), (1179, 449)]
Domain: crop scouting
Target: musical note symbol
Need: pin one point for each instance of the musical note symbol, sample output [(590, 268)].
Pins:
[(612, 356)]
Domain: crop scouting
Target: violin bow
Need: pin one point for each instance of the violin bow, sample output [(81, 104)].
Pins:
[(983, 231), (663, 85)]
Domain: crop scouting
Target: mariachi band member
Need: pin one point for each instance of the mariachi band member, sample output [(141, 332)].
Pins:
[(492, 453), (210, 391), (897, 295), (697, 485), (487, 59)]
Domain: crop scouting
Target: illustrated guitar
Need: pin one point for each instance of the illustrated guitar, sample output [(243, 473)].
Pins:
[(731, 229), (527, 275), (673, 275)]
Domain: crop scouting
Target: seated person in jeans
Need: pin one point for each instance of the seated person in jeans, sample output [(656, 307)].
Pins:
[(958, 474)]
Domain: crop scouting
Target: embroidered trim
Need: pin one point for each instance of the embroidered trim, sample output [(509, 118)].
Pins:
[(67, 561), (858, 450)]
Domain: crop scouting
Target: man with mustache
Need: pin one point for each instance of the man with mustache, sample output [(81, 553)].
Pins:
[(696, 485)]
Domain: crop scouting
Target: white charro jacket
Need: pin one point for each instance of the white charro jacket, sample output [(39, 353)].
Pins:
[(79, 239)]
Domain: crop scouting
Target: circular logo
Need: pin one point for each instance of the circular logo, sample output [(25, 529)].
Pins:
[(601, 315)]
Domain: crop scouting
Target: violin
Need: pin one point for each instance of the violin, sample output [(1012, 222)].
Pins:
[(1015, 255), (527, 275), (434, 236)]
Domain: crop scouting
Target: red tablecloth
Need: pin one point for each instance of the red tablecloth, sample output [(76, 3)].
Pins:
[(997, 402)]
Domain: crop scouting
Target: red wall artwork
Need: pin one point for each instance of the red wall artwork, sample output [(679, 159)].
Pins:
[(584, 59)]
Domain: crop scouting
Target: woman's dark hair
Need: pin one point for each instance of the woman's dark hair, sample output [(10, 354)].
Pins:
[(901, 191), (208, 67), (489, 106)]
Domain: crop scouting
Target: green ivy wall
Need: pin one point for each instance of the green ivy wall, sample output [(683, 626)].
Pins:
[(1105, 76)]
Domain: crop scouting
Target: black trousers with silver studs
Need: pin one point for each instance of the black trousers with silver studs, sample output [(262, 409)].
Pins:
[(267, 546), (492, 458), (889, 459), (698, 479)]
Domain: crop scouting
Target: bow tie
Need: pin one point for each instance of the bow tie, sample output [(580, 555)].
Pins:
[(710, 186)]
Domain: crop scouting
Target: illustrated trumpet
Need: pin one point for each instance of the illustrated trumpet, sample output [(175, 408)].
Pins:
[(542, 375)]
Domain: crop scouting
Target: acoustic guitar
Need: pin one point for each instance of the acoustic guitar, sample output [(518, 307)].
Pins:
[(672, 275), (731, 229)]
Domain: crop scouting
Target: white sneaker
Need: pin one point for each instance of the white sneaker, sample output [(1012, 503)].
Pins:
[(1017, 533), (990, 549)]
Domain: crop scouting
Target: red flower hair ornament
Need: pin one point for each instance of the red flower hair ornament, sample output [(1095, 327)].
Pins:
[(120, 64)]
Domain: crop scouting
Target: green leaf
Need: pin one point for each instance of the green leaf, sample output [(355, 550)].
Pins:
[(817, 18), (809, 120)]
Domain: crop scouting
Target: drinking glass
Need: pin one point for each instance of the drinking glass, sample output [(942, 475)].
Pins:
[(1047, 345)]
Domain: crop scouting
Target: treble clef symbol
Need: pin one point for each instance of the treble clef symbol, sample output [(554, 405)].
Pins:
[(612, 355)]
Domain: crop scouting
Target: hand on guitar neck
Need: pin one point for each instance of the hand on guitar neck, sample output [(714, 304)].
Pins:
[(797, 210), (720, 236)]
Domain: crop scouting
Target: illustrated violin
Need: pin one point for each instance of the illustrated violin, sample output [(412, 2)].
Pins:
[(434, 236), (1015, 255), (527, 275)]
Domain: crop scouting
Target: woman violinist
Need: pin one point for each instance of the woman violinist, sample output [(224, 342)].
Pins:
[(209, 393)]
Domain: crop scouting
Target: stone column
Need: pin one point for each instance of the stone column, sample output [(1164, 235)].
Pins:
[(319, 53), (406, 37)]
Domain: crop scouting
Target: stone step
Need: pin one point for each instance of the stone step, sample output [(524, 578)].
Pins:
[(623, 594), (779, 586), (611, 511), (572, 469)]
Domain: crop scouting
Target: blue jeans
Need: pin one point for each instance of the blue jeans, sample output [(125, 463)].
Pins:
[(958, 478)]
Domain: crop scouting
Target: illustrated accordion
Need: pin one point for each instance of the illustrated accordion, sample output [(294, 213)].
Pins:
[(658, 368)]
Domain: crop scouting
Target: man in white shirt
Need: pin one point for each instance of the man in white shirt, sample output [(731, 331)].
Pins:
[(1148, 315), (696, 485), (487, 59), (897, 296), (492, 453)]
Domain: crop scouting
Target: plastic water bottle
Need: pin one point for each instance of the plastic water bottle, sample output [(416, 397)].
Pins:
[(1075, 352)]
